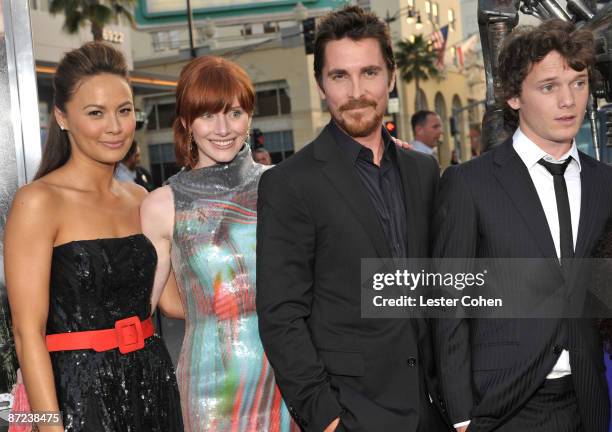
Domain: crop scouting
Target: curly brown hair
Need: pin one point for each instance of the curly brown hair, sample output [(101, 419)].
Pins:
[(528, 45)]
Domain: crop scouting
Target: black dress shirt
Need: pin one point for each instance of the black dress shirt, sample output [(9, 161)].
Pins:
[(383, 185)]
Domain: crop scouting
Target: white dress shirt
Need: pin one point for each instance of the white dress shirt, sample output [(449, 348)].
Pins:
[(530, 154), (422, 147), (543, 181), (123, 173)]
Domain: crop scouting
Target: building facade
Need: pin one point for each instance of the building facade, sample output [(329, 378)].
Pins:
[(266, 39)]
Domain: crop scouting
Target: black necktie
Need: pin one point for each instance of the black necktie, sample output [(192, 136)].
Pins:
[(563, 207)]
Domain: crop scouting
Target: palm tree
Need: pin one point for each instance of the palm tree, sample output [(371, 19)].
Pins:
[(99, 13), (416, 61)]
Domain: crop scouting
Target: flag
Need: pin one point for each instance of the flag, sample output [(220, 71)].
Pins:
[(467, 46), (470, 43), (438, 42)]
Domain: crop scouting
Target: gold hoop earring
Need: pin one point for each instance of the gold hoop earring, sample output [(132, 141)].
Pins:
[(193, 146)]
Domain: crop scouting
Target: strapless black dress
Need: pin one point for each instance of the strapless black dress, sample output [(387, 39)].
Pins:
[(93, 284)]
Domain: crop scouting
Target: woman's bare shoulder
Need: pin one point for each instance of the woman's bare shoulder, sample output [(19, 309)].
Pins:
[(160, 200), (38, 195), (136, 191)]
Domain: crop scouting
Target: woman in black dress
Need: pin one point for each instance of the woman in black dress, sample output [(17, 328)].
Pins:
[(79, 272)]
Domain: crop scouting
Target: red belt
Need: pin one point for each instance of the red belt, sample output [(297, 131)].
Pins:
[(128, 335)]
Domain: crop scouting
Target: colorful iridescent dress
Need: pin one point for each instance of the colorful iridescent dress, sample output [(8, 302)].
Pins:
[(225, 380)]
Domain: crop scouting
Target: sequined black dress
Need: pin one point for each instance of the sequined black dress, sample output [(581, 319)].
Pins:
[(93, 284)]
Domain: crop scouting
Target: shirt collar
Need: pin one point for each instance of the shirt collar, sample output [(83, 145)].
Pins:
[(353, 149), (422, 147), (530, 153)]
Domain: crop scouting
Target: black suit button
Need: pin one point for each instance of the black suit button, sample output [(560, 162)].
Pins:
[(557, 349), (412, 362), (441, 404)]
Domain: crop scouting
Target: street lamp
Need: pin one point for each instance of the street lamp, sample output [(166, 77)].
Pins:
[(410, 16), (410, 12), (419, 23)]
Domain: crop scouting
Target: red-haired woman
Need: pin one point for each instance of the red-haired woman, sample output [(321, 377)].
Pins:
[(203, 225)]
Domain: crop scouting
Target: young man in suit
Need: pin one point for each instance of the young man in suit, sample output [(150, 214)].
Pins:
[(535, 196), (348, 195)]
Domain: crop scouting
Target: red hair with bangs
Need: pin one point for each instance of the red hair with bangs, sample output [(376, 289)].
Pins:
[(207, 84)]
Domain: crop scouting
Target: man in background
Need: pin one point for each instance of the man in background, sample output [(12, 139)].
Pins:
[(427, 129), (262, 156), (130, 170)]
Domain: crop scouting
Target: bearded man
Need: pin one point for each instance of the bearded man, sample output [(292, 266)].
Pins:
[(348, 195)]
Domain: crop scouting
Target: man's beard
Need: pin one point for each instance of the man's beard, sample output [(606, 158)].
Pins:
[(363, 126)]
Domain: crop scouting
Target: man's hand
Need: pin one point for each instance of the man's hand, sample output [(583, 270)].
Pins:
[(333, 425), (402, 144)]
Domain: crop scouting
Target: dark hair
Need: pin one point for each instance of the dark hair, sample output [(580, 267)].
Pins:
[(93, 58), (207, 85), (419, 118), (355, 23), (131, 152), (528, 45)]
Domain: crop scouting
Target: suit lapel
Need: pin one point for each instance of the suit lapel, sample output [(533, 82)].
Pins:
[(588, 207), (412, 200), (343, 178), (514, 178)]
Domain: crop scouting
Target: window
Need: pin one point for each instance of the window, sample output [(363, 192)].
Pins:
[(279, 144), (247, 30), (165, 115), (267, 103), (285, 100), (272, 99), (428, 11), (435, 14), (160, 41), (163, 162), (451, 20), (175, 39), (270, 27), (161, 116), (164, 40), (152, 119)]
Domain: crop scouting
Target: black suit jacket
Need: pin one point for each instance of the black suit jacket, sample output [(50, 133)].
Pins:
[(315, 224), (489, 208)]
